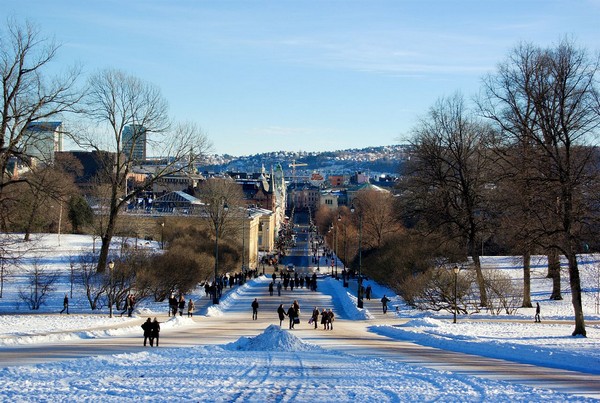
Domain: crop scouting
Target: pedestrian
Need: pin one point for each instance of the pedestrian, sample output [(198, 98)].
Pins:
[(537, 312), (281, 313), (131, 305), (384, 302), (191, 308), (324, 319), (172, 305), (291, 313), (255, 309), (181, 304), (271, 288), (147, 326), (330, 318), (315, 317), (368, 292), (65, 304), (279, 289), (154, 332)]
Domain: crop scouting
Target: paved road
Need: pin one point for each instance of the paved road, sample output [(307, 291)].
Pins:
[(348, 336)]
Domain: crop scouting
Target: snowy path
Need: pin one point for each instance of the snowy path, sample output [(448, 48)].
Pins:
[(349, 336)]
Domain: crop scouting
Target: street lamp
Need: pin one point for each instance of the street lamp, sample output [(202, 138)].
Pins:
[(162, 235), (455, 270), (336, 245), (218, 228), (359, 291), (111, 266)]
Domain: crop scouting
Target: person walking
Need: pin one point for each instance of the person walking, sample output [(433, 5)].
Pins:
[(131, 305), (281, 313), (330, 318), (279, 289), (172, 305), (255, 309), (154, 332), (368, 292), (181, 304), (315, 317), (65, 304), (271, 288), (537, 312), (384, 302), (291, 313), (324, 319), (147, 326), (191, 307)]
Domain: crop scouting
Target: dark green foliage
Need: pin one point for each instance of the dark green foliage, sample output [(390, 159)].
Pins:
[(80, 213)]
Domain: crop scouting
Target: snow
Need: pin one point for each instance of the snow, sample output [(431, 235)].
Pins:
[(276, 364)]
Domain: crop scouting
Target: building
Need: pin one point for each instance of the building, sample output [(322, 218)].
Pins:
[(43, 139), (94, 166), (134, 142)]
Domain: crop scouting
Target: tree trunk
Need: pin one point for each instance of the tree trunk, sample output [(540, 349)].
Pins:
[(527, 280), (106, 240), (554, 274), (575, 283), (480, 280)]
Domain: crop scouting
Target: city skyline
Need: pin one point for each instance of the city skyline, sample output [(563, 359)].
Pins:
[(261, 76)]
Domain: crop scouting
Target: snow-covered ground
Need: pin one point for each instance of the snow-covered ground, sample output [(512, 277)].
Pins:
[(251, 369)]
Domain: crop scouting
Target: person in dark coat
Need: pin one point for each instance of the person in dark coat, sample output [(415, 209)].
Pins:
[(281, 313), (172, 305), (315, 316), (147, 326), (368, 292), (537, 312), (330, 318), (271, 289), (291, 313), (384, 302), (324, 319), (154, 332), (65, 304), (255, 309), (181, 305)]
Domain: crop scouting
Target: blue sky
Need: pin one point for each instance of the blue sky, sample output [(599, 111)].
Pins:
[(263, 76)]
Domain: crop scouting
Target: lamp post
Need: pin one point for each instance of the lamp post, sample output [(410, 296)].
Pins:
[(339, 218), (359, 291), (111, 266), (218, 228), (455, 270), (162, 235)]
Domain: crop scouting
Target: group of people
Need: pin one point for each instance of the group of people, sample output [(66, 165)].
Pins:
[(178, 305), (151, 331), (293, 313), (327, 317), (296, 281)]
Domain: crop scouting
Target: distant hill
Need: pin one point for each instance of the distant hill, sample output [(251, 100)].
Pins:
[(372, 160)]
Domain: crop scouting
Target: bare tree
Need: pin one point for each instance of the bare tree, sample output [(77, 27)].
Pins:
[(380, 219), (41, 284), (447, 177), (222, 199), (92, 281), (560, 91), (122, 103), (28, 95)]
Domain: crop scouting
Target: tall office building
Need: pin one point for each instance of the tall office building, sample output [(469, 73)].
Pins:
[(134, 142), (43, 139)]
